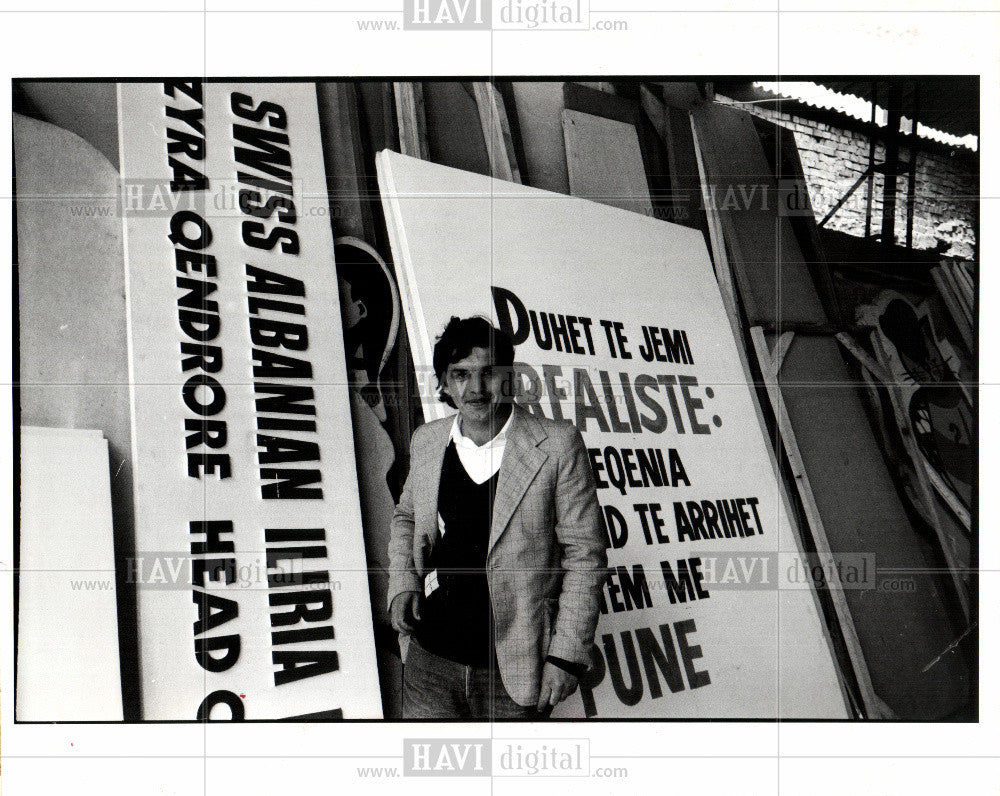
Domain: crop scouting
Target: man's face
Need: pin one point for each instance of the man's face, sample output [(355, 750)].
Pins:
[(476, 386)]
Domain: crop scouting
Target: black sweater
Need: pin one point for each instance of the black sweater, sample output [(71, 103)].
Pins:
[(457, 619)]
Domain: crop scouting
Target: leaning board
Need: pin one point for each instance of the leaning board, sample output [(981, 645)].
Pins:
[(694, 626), (67, 633), (250, 567)]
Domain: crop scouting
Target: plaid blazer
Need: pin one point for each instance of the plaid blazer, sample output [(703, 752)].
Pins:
[(546, 558)]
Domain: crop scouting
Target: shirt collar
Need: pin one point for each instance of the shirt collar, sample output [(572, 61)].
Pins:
[(463, 441)]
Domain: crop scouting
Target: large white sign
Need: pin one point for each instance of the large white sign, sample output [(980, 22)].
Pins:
[(250, 565), (620, 328)]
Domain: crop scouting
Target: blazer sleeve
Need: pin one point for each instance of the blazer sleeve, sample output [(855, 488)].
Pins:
[(402, 568), (584, 560)]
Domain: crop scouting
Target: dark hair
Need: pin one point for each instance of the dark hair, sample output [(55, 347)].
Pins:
[(458, 339)]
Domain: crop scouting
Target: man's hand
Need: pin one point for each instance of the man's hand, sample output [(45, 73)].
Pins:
[(405, 605), (557, 684)]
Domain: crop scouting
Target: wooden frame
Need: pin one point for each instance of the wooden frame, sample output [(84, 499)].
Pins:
[(496, 132), (411, 119), (925, 479), (770, 365)]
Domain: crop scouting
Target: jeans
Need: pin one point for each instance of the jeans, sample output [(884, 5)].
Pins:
[(438, 688)]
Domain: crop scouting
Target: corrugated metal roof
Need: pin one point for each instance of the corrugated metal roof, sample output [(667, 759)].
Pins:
[(824, 97), (947, 110), (949, 104)]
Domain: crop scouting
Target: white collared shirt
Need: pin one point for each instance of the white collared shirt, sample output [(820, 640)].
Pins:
[(481, 462)]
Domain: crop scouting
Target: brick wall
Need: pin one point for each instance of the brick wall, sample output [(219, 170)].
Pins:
[(833, 159)]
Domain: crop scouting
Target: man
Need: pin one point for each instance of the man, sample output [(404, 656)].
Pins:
[(497, 553)]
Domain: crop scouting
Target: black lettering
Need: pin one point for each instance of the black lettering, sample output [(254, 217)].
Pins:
[(253, 235), (212, 530), (179, 230), (587, 405), (266, 151), (286, 399), (631, 694), (190, 392), (190, 89), (689, 653), (213, 610), (263, 281), (281, 450), (243, 106), (658, 422), (299, 602), (680, 587), (204, 647), (197, 294), (291, 484), (297, 665), (272, 365), (228, 698), (664, 659), (204, 357)]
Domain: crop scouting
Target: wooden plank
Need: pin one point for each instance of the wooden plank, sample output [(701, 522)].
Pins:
[(74, 369), (673, 125), (627, 109), (581, 97), (684, 185), (864, 358), (863, 511), (781, 346), (956, 289), (506, 132), (802, 216), (411, 120), (728, 291), (963, 301), (950, 498), (507, 104), (67, 652), (539, 109), (344, 157), (496, 146), (881, 375), (598, 85), (964, 275), (683, 95), (954, 309), (455, 126), (852, 489), (910, 444), (377, 104), (961, 276), (874, 707), (605, 163), (718, 247), (652, 106), (744, 189)]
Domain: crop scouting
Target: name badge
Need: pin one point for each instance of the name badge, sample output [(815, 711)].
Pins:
[(430, 583)]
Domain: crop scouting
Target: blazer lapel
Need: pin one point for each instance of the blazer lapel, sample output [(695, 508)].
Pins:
[(521, 462)]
